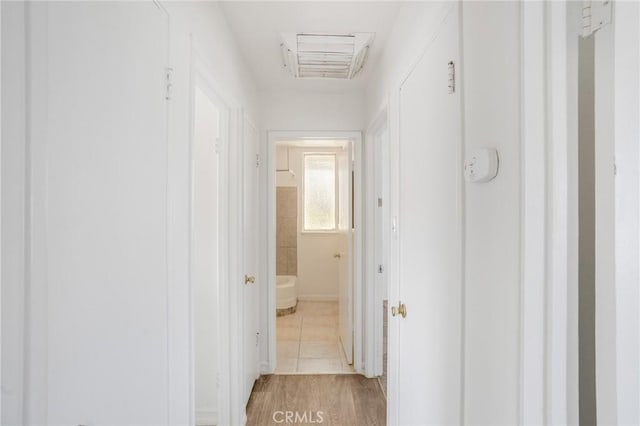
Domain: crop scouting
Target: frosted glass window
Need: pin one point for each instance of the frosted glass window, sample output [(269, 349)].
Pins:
[(319, 192)]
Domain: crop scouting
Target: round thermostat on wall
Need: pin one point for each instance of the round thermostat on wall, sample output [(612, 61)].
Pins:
[(481, 165)]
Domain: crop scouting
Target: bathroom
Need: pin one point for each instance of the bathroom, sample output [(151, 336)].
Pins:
[(313, 202)]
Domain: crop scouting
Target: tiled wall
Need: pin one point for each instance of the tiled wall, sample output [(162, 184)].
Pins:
[(286, 230)]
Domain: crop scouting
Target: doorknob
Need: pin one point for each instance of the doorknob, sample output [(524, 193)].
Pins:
[(249, 279), (337, 256), (400, 309)]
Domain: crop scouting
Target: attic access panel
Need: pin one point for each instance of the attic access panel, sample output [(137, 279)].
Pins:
[(340, 56)]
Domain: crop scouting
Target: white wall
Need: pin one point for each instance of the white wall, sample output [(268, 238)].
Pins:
[(307, 110), (165, 376), (491, 90), (412, 30)]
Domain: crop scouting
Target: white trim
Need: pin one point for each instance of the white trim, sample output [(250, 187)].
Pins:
[(560, 250), (235, 281), (605, 285), (168, 227), (573, 26), (208, 417), (533, 214), (36, 293), (548, 294), (373, 342), (360, 327), (318, 298), (269, 317), (1, 345)]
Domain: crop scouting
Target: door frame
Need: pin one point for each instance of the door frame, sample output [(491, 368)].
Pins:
[(374, 341), (230, 263), (1, 345), (360, 326), (548, 382)]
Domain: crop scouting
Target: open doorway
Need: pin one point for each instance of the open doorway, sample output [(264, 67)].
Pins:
[(314, 254)]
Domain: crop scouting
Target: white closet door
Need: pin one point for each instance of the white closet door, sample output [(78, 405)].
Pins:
[(105, 143), (428, 358), (251, 242)]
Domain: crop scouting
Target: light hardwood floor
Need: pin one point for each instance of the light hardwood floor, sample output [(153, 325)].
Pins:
[(336, 399)]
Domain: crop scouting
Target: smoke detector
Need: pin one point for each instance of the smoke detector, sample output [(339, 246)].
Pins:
[(340, 56)]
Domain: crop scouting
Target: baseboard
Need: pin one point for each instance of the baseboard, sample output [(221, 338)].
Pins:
[(264, 368), (317, 298), (206, 417)]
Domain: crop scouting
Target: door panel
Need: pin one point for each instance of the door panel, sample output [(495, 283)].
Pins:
[(429, 358), (106, 213), (381, 237), (345, 252), (205, 253), (250, 290)]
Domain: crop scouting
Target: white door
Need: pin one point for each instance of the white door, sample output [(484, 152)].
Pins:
[(427, 356), (250, 232), (205, 267), (344, 253), (381, 235), (106, 212)]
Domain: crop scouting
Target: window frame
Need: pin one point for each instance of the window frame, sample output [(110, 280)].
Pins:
[(303, 228)]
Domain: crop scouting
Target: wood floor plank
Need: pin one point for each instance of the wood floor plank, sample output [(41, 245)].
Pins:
[(336, 399)]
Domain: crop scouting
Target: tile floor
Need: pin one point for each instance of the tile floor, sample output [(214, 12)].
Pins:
[(307, 341)]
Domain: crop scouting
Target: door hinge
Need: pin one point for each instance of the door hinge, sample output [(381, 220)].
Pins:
[(168, 72), (452, 77), (257, 160), (380, 269), (257, 338), (595, 15), (217, 146), (379, 202)]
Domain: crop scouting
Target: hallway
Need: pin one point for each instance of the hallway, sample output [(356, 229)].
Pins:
[(459, 191), (345, 400)]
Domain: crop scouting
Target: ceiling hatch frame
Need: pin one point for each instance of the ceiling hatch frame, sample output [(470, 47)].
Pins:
[(325, 56)]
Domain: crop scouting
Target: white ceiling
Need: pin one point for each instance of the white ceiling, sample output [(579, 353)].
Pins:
[(257, 27)]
